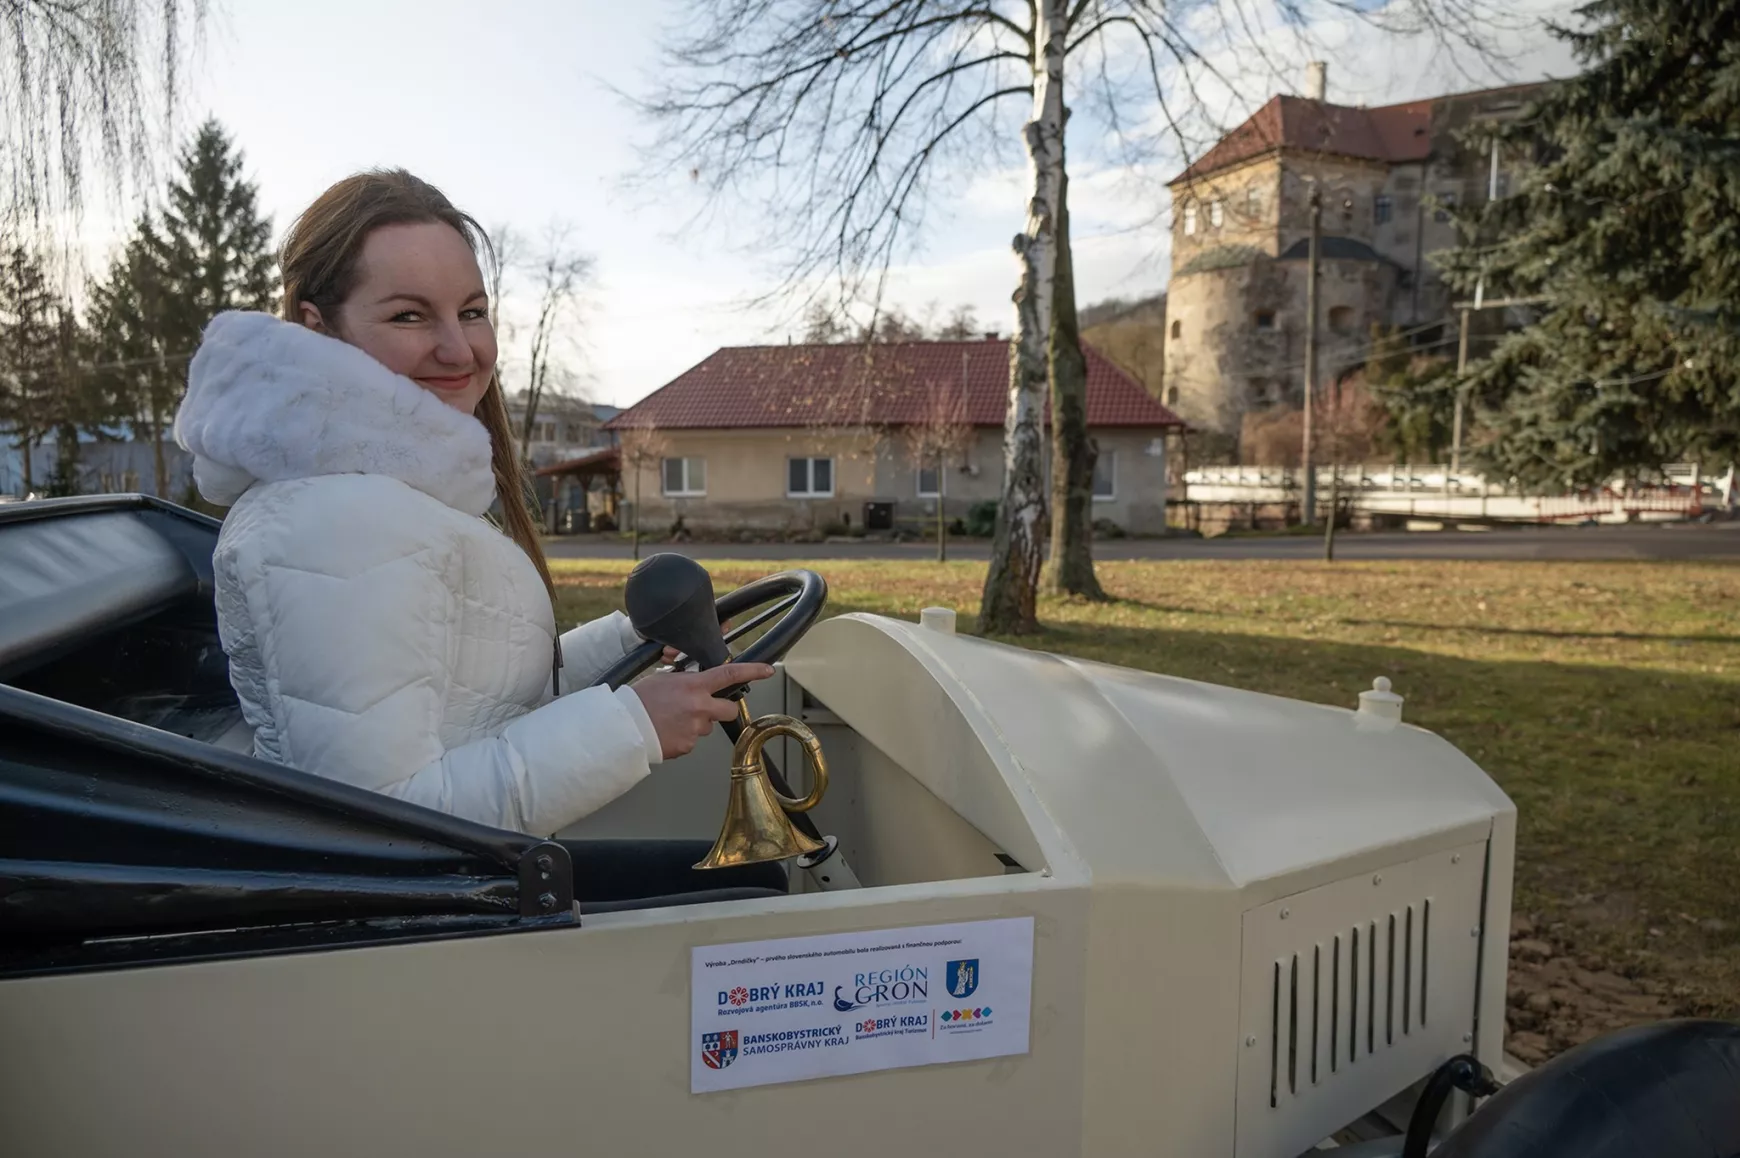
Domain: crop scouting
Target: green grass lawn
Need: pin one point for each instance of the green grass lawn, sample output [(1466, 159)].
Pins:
[(1604, 698)]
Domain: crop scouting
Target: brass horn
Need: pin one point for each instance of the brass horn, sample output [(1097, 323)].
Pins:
[(756, 828)]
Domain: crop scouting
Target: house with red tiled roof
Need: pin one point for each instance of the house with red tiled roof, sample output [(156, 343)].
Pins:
[(811, 437), (1236, 317)]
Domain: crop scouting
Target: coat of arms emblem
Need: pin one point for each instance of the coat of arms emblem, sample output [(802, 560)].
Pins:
[(719, 1050)]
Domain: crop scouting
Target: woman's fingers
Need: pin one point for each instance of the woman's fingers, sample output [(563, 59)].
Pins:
[(683, 707), (728, 674)]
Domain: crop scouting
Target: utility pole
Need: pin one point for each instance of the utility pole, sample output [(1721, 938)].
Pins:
[(1462, 339), (1308, 509), (1456, 420)]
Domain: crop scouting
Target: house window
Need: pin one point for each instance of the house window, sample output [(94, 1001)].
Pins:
[(1254, 202), (1106, 475), (1265, 319), (1382, 208), (685, 476), (574, 434), (809, 477), (1341, 319), (544, 431), (1257, 392), (1216, 213), (1446, 205), (1177, 329), (929, 481), (1189, 219), (1502, 186)]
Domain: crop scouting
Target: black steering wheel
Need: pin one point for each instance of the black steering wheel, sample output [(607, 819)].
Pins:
[(797, 598)]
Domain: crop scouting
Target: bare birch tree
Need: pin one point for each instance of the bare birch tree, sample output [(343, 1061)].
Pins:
[(833, 118)]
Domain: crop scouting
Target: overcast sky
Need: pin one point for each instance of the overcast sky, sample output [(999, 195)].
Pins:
[(507, 108)]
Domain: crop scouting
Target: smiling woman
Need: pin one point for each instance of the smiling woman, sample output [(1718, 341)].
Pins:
[(379, 631), (419, 308)]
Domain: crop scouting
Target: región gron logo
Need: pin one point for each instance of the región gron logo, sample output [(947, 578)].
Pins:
[(902, 985)]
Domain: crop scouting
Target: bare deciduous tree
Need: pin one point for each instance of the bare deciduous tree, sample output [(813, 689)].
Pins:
[(507, 249), (78, 89), (833, 117), (941, 435), (558, 274), (640, 448)]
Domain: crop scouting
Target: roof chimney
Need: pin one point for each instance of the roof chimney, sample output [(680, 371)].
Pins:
[(1317, 81)]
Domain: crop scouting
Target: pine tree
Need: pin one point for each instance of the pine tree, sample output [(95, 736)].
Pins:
[(209, 251), (140, 367), (216, 248), (1628, 225), (30, 340)]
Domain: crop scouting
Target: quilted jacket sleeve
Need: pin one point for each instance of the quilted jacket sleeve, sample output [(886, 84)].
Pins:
[(354, 650), (590, 648)]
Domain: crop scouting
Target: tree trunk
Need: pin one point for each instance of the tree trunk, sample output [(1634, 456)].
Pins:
[(942, 490), (635, 536), (1007, 605), (1070, 568), (157, 463)]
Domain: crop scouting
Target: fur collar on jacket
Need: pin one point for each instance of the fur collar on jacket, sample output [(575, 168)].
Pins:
[(271, 401)]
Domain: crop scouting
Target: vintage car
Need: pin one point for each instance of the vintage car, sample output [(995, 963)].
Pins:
[(1043, 907)]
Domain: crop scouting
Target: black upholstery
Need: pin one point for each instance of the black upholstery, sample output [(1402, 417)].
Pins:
[(65, 580), (611, 875)]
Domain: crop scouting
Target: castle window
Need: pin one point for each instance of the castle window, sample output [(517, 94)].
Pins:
[(1172, 396), (1265, 319), (1341, 319), (1381, 209), (1177, 329), (1189, 219), (1257, 392), (1216, 213)]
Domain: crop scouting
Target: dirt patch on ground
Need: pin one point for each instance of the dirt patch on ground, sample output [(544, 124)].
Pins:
[(1557, 1000)]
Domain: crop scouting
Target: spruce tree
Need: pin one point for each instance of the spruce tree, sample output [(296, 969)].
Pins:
[(208, 251), (30, 341), (1627, 224)]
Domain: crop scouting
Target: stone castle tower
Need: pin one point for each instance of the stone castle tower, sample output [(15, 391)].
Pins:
[(1236, 318)]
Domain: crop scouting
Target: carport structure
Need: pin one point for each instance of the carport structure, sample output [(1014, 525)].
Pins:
[(572, 482)]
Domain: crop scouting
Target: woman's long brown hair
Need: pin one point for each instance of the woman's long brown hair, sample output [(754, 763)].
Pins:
[(319, 263)]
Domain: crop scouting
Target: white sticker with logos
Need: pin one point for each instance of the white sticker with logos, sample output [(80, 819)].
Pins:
[(848, 1003)]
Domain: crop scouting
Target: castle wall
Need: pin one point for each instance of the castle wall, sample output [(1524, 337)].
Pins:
[(1224, 360), (1249, 199), (1236, 316)]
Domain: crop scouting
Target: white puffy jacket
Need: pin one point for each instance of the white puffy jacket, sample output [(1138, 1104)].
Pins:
[(379, 630)]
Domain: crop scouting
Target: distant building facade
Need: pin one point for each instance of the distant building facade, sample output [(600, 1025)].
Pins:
[(564, 427), (1236, 317), (800, 438)]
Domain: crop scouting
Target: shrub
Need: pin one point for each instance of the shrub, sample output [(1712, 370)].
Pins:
[(982, 519)]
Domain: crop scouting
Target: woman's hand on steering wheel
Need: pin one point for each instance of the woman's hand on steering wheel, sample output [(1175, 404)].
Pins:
[(682, 705)]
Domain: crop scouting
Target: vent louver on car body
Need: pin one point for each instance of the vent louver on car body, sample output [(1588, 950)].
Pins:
[(1350, 992)]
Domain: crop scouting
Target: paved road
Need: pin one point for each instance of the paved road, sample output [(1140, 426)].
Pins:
[(1645, 541)]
